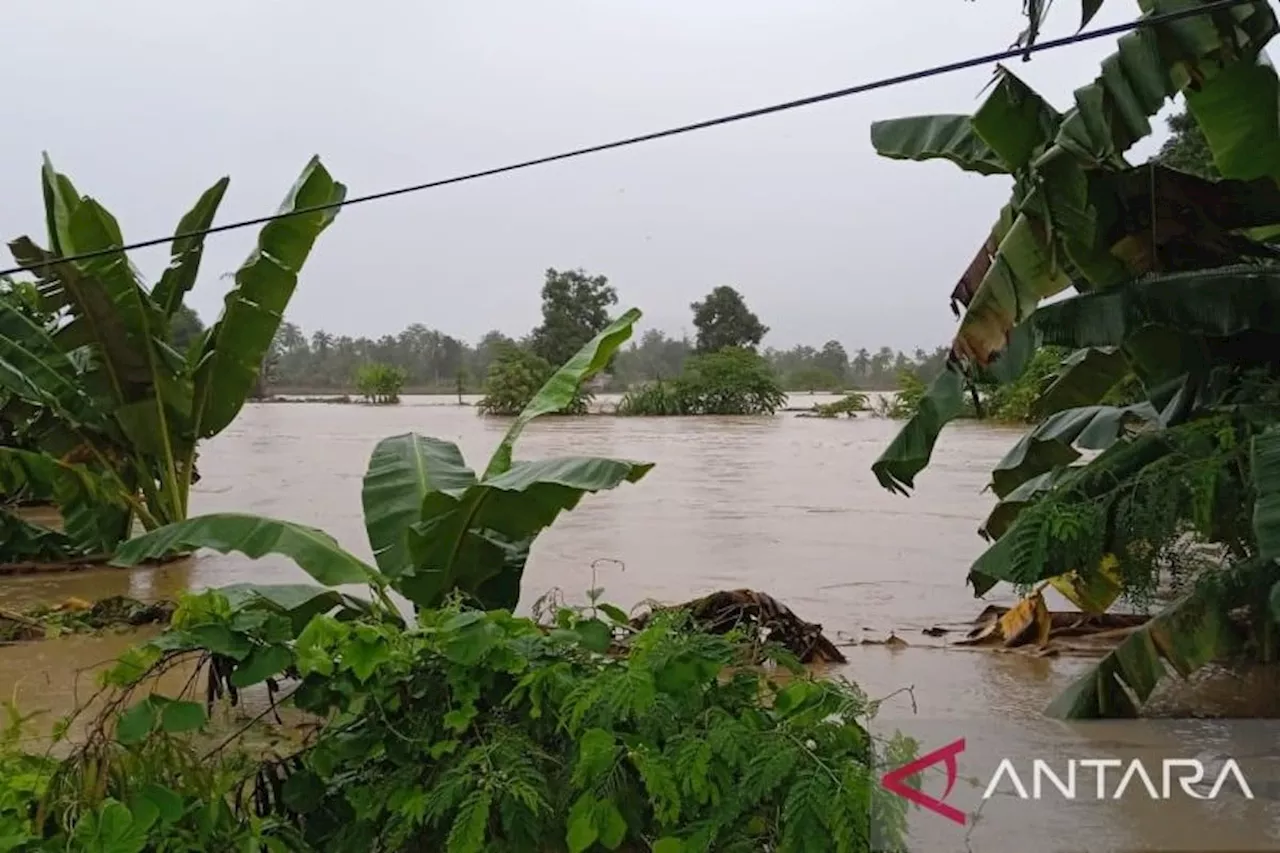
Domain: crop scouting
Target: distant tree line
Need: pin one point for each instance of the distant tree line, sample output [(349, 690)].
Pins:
[(575, 307)]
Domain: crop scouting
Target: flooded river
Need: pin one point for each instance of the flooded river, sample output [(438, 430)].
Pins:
[(783, 505)]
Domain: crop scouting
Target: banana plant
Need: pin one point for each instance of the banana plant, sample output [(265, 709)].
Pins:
[(435, 527), (1177, 287), (115, 408), (1080, 215)]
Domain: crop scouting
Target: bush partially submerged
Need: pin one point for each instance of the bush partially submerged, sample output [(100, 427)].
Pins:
[(515, 377), (733, 381)]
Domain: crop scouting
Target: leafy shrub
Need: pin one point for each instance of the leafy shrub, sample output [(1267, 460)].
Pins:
[(380, 383), (514, 377), (476, 731), (906, 402), (732, 381), (846, 405)]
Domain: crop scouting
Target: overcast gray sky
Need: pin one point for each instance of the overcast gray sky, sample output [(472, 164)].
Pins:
[(144, 103)]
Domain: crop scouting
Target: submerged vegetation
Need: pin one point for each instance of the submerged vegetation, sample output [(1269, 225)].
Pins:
[(380, 383), (111, 413), (732, 381), (1170, 338)]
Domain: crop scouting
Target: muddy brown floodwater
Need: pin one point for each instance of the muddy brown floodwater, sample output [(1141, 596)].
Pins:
[(784, 505)]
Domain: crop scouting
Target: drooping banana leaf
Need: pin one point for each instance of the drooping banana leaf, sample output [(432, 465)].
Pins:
[(1022, 556), (230, 355), (1086, 377), (1208, 303), (909, 452), (185, 252), (559, 390), (938, 137), (313, 550), (34, 369), (1265, 464), (1151, 65), (402, 470), (1052, 444), (1188, 634), (1006, 511), (94, 508), (26, 541), (479, 540)]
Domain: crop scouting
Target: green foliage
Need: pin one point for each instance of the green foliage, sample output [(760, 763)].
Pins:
[(1015, 402), (723, 321), (1170, 369), (575, 308), (905, 402), (813, 379), (473, 731), (103, 386), (380, 383), (731, 381), (1186, 149), (514, 377), (436, 528), (846, 405)]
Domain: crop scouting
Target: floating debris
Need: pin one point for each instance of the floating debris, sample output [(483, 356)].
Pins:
[(721, 612)]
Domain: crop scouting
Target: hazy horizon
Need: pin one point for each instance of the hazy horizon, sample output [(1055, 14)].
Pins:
[(144, 104)]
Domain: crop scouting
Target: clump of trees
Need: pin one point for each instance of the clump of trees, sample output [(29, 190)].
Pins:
[(380, 383), (724, 376)]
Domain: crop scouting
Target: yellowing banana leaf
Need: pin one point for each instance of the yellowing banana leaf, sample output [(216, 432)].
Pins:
[(1193, 631), (1026, 621), (1092, 592)]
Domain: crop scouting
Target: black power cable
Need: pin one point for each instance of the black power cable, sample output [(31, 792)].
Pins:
[(883, 83)]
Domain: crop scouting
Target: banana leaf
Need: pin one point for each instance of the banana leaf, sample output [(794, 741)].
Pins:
[(1052, 444), (466, 542), (945, 137), (230, 354), (1186, 635), (26, 541), (1006, 511), (909, 452), (1265, 462), (1062, 192), (298, 601), (402, 471), (1208, 303), (559, 390), (1086, 377), (34, 369), (94, 508), (313, 550), (185, 252), (1015, 121)]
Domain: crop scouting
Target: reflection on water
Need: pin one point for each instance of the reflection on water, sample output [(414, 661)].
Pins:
[(784, 505)]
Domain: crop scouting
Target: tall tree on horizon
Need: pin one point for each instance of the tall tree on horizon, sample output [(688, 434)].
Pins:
[(723, 320), (575, 308)]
